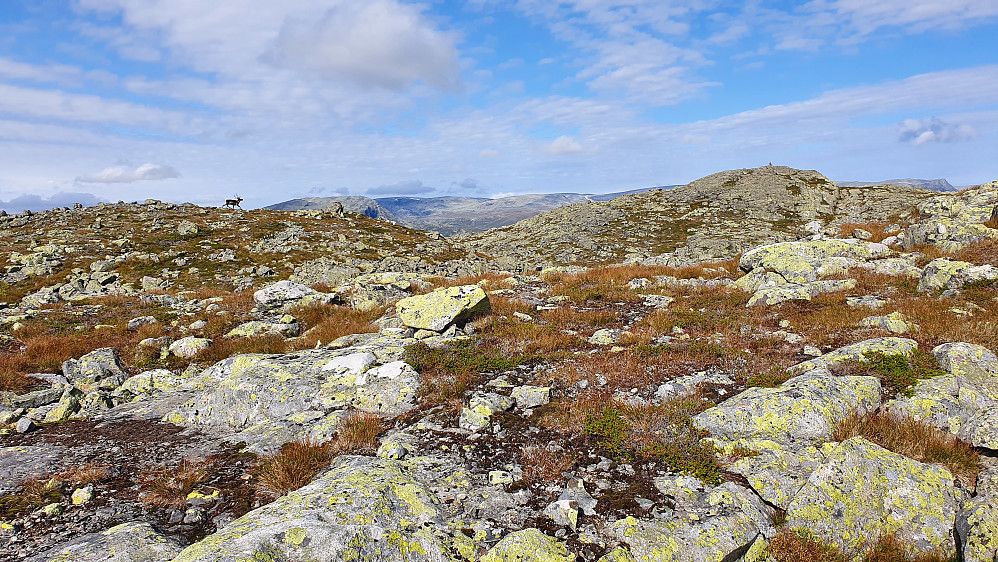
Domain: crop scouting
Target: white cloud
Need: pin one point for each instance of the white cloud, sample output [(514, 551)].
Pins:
[(564, 145), (488, 153), (922, 131), (379, 43), (502, 195), (126, 173)]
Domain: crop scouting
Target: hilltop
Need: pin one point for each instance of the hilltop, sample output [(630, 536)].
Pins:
[(192, 384), (715, 217)]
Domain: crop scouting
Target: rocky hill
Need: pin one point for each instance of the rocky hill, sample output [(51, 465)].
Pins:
[(715, 217), (188, 384), (351, 204)]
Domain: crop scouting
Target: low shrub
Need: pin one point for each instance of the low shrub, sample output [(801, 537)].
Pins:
[(800, 545), (898, 373)]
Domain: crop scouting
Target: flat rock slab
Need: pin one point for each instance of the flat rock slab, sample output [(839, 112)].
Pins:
[(440, 308)]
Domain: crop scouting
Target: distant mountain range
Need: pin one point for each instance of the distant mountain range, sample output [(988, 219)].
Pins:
[(933, 185), (451, 215)]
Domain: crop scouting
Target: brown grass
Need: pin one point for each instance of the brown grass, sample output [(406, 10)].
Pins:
[(89, 473), (294, 466), (358, 433), (991, 222), (542, 466), (913, 439), (889, 548), (799, 545), (876, 228), (326, 322), (169, 487)]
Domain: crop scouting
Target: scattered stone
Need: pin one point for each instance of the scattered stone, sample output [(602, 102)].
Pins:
[(531, 396), (605, 336), (136, 323), (443, 307), (189, 346), (895, 322)]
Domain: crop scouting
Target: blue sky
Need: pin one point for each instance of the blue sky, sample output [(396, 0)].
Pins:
[(186, 100)]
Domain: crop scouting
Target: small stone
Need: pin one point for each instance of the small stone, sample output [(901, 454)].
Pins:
[(136, 323), (498, 477), (531, 396), (25, 425), (83, 495)]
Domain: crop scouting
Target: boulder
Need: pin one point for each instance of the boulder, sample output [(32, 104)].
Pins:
[(189, 346), (128, 542), (286, 294), (363, 508), (528, 545), (776, 471), (261, 328), (443, 307), (806, 260), (981, 429), (187, 228), (136, 323), (977, 530), (857, 352), (863, 491), (801, 411), (713, 526), (944, 273), (100, 368), (895, 323)]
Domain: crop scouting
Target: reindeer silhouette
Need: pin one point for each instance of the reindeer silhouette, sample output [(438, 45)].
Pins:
[(234, 202)]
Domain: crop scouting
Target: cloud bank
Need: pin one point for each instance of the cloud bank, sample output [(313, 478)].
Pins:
[(126, 173)]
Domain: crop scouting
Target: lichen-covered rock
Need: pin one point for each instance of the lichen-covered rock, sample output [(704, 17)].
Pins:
[(895, 323), (945, 273), (776, 472), (857, 352), (981, 430), (128, 542), (863, 491), (189, 346), (528, 545), (807, 260), (728, 520), (946, 402), (605, 336), (100, 368), (528, 396), (250, 389), (967, 359), (364, 508), (260, 328), (977, 530), (802, 410), (286, 294), (443, 307)]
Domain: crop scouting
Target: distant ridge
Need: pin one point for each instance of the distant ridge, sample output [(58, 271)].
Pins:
[(932, 185), (450, 214)]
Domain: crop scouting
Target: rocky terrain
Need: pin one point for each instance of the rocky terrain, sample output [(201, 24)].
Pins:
[(935, 185), (760, 365)]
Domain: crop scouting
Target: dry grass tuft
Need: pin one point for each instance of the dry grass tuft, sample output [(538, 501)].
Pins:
[(992, 222), (889, 548), (358, 433), (90, 473), (327, 322), (876, 228), (169, 487), (799, 545), (31, 494), (543, 466), (913, 439), (297, 463)]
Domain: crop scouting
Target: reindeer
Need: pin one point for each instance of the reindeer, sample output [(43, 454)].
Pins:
[(234, 202)]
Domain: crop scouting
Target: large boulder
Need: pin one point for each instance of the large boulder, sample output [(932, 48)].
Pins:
[(807, 260), (863, 491), (252, 389), (364, 508), (945, 273), (285, 295), (775, 471), (801, 411), (128, 542), (443, 307), (99, 369)]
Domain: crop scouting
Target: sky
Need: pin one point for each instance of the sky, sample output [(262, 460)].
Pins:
[(187, 100)]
